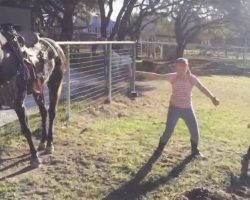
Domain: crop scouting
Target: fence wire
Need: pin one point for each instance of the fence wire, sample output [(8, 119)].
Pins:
[(166, 50), (87, 75), (98, 72), (121, 70)]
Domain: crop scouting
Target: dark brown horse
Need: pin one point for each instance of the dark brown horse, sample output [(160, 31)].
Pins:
[(47, 61)]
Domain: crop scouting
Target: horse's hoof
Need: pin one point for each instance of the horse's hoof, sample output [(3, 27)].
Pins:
[(50, 149), (41, 146), (35, 162)]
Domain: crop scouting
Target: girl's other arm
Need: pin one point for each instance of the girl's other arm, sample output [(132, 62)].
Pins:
[(208, 93), (153, 76)]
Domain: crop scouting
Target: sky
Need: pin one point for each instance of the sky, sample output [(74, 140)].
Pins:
[(116, 7)]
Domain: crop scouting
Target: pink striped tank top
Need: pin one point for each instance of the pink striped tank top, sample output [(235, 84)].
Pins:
[(181, 90)]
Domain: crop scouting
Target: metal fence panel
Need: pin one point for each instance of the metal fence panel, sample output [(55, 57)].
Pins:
[(98, 72)]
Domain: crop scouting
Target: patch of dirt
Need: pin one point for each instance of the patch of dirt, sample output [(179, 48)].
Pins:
[(205, 194)]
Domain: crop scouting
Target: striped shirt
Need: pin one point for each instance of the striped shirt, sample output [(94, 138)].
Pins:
[(181, 90)]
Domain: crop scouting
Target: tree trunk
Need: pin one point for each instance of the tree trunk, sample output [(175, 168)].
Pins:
[(103, 20), (121, 34), (180, 50), (67, 21), (103, 29)]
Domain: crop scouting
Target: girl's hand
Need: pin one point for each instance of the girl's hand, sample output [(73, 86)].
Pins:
[(215, 101)]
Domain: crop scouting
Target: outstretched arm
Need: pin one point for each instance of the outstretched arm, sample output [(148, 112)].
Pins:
[(208, 93), (153, 76)]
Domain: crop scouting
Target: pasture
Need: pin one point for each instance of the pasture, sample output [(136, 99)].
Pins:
[(99, 152)]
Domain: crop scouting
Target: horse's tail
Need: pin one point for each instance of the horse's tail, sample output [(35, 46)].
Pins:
[(59, 53)]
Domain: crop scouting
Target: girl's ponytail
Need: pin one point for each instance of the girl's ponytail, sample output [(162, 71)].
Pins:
[(188, 70)]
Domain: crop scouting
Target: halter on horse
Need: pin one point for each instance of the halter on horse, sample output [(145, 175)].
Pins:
[(26, 65)]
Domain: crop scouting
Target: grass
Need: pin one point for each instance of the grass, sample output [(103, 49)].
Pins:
[(99, 152)]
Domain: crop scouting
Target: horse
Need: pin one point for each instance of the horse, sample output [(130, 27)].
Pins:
[(46, 59)]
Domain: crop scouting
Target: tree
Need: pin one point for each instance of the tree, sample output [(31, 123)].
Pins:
[(105, 18), (240, 21), (149, 12), (193, 16), (62, 12), (124, 14), (56, 13), (163, 27), (132, 17)]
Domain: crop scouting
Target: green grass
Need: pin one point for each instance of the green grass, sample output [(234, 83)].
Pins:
[(92, 164), (7, 190)]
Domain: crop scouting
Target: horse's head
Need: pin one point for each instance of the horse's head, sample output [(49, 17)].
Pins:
[(8, 61)]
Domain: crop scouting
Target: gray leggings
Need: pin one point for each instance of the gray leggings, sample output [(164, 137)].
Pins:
[(187, 114)]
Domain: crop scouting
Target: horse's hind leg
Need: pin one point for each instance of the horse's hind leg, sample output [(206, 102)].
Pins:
[(39, 98), (23, 119), (55, 87)]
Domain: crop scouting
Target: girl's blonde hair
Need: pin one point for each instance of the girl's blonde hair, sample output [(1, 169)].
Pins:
[(188, 69), (185, 60)]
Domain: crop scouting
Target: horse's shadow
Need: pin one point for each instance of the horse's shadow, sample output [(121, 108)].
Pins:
[(134, 188), (13, 163)]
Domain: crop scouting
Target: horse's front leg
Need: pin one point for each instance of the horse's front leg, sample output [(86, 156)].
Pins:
[(39, 98), (54, 93), (23, 119)]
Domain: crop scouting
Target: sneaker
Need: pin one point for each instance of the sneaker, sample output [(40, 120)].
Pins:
[(197, 154)]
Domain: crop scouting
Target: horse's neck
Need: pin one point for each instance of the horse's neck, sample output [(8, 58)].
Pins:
[(8, 64)]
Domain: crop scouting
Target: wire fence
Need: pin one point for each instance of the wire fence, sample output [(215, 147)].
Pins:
[(98, 72), (166, 50), (154, 50), (239, 53)]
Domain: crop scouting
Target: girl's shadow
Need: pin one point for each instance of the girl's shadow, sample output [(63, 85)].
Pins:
[(134, 189), (240, 185)]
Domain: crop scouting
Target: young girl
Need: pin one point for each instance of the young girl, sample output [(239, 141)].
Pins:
[(181, 103)]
